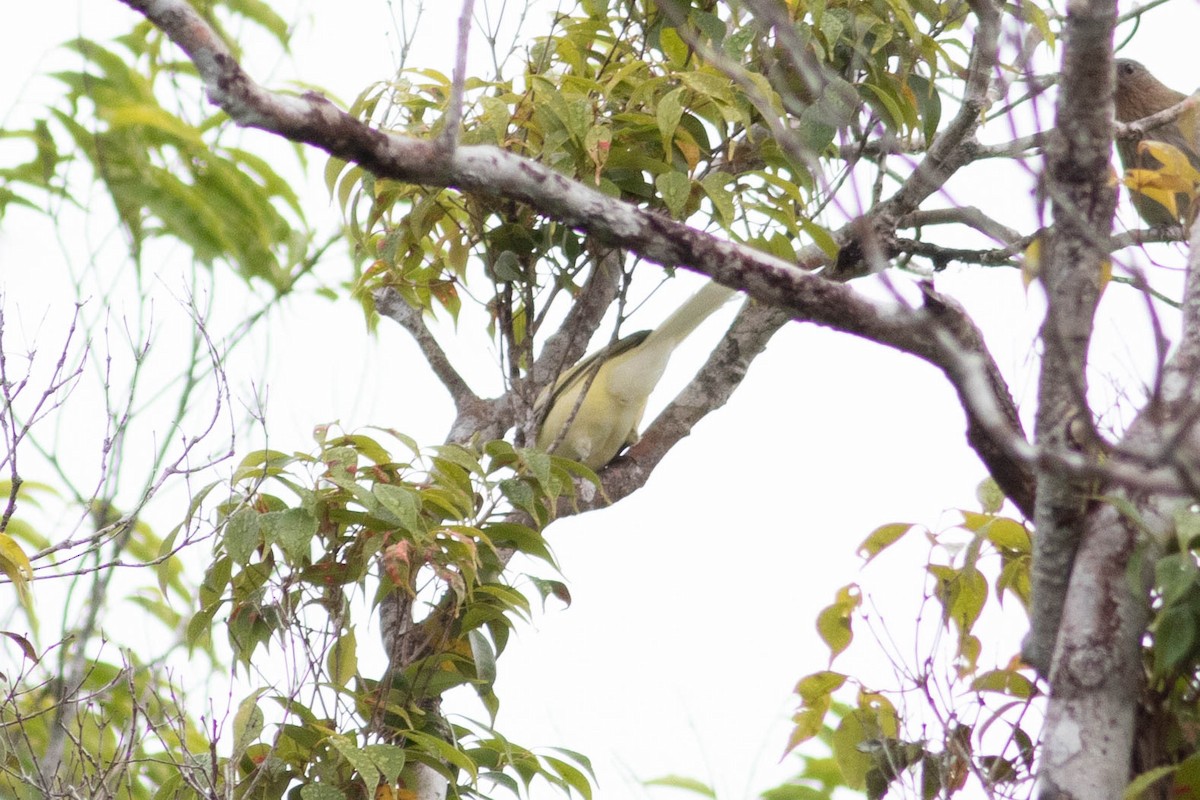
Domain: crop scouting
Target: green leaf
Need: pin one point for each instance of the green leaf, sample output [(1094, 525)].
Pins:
[(674, 47), (15, 564), (807, 723), (387, 758), (882, 538), (292, 530), (820, 237), (571, 775), (523, 538), (1174, 638), (483, 656), (1175, 576), (261, 13), (991, 499), (848, 738), (668, 114), (687, 784), (443, 751), (929, 109), (675, 188), (722, 199), (241, 535), (812, 688), (199, 628), (521, 495), (795, 791), (362, 763), (1008, 534), (247, 724), (1138, 786), (321, 791), (833, 623), (342, 661), (402, 503), (1006, 682)]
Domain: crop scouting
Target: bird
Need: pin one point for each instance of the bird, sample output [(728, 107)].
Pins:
[(1140, 94), (622, 376)]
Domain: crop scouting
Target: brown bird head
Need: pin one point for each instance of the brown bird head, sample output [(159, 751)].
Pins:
[(1140, 94)]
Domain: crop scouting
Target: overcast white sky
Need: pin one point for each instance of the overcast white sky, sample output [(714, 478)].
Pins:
[(694, 600)]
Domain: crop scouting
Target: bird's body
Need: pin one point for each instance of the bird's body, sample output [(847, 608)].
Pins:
[(619, 380), (1140, 94)]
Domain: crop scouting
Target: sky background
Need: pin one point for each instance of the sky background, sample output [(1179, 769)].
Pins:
[(693, 600)]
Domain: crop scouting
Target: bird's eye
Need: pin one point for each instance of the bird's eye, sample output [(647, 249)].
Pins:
[(1125, 69)]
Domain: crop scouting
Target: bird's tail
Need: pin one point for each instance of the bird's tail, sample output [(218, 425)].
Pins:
[(688, 316)]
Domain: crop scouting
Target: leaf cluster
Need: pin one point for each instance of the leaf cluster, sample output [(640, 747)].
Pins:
[(431, 531), (870, 744)]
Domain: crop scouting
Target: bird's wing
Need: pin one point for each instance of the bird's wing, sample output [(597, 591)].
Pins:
[(625, 373)]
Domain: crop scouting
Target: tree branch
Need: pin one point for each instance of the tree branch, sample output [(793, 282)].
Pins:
[(1083, 201)]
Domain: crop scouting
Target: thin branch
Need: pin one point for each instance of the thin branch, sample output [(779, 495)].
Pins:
[(970, 216), (1139, 129), (947, 151), (454, 112)]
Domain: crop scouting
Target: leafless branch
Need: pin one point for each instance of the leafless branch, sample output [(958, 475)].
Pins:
[(391, 304), (454, 111)]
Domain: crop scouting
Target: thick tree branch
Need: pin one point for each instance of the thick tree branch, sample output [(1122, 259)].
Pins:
[(1083, 201), (1083, 548)]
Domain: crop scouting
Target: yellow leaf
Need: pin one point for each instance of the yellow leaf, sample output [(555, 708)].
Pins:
[(1174, 161), (1105, 274), (1143, 180), (1031, 264), (1146, 180), (15, 564)]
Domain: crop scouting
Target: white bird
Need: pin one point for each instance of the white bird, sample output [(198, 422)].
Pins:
[(625, 373)]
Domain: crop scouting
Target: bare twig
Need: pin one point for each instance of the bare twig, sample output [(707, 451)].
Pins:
[(454, 111)]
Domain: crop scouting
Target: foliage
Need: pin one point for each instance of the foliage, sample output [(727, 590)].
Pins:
[(622, 102), (876, 746), (433, 528), (749, 128)]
